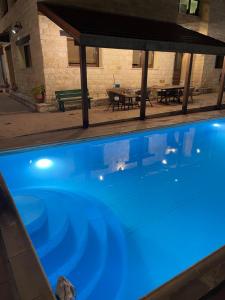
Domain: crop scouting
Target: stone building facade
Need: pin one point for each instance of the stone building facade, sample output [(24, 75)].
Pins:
[(48, 49)]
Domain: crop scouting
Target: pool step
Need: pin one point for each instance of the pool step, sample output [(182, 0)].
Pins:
[(32, 211), (93, 237), (89, 269), (83, 241), (110, 284)]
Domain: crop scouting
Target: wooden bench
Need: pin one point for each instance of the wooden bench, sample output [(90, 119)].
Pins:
[(69, 96)]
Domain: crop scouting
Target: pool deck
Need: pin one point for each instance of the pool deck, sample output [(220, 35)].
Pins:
[(15, 121), (75, 133)]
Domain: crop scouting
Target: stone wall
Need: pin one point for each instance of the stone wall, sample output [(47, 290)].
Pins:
[(26, 13), (215, 29), (211, 22)]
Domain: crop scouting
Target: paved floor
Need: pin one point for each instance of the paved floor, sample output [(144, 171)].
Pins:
[(18, 122), (10, 106), (70, 134)]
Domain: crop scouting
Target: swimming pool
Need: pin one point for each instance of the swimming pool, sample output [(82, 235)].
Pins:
[(120, 216)]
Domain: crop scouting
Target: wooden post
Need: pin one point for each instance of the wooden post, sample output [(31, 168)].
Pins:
[(144, 81), (221, 88), (187, 83), (84, 88)]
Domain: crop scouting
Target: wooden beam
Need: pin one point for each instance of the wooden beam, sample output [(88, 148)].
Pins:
[(187, 83), (84, 88), (221, 88), (95, 40), (59, 21), (144, 83)]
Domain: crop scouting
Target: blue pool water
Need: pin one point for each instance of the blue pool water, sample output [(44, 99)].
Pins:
[(120, 216)]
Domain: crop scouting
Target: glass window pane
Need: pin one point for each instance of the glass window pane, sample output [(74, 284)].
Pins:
[(73, 52), (219, 62), (183, 6), (74, 55), (27, 56), (136, 58), (151, 59), (193, 8), (91, 54)]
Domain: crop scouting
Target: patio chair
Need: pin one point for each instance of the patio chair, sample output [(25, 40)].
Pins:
[(174, 95), (138, 98), (190, 98), (114, 100), (126, 102), (162, 96)]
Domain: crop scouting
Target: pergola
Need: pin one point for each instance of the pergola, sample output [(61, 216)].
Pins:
[(106, 30)]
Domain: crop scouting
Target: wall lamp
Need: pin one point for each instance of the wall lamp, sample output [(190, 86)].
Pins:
[(16, 28)]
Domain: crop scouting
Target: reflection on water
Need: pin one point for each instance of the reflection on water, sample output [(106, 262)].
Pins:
[(135, 156)]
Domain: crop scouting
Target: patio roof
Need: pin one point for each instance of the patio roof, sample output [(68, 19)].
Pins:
[(107, 30)]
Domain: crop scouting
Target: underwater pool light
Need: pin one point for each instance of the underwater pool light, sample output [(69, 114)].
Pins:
[(216, 125), (44, 163), (164, 162), (101, 178)]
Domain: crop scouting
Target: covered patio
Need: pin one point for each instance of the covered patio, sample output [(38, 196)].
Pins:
[(125, 32)]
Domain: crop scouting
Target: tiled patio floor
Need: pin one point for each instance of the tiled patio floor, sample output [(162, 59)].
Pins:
[(101, 114), (20, 124)]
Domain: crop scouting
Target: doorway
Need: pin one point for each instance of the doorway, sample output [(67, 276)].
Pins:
[(8, 52), (177, 68)]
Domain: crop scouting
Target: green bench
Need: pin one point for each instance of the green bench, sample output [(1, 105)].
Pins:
[(69, 96)]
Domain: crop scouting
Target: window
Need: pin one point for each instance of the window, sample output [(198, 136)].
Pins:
[(23, 44), (137, 59), (27, 56), (92, 54), (219, 62), (190, 7)]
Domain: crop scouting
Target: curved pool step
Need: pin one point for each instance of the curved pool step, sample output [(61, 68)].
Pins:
[(55, 238), (32, 211), (50, 232), (113, 277), (89, 269), (95, 238), (55, 258), (70, 238), (82, 241)]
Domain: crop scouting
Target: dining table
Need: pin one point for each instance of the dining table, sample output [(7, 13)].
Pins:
[(167, 92), (127, 96)]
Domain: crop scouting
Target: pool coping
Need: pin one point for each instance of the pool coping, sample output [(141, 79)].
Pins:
[(27, 279), (195, 282)]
